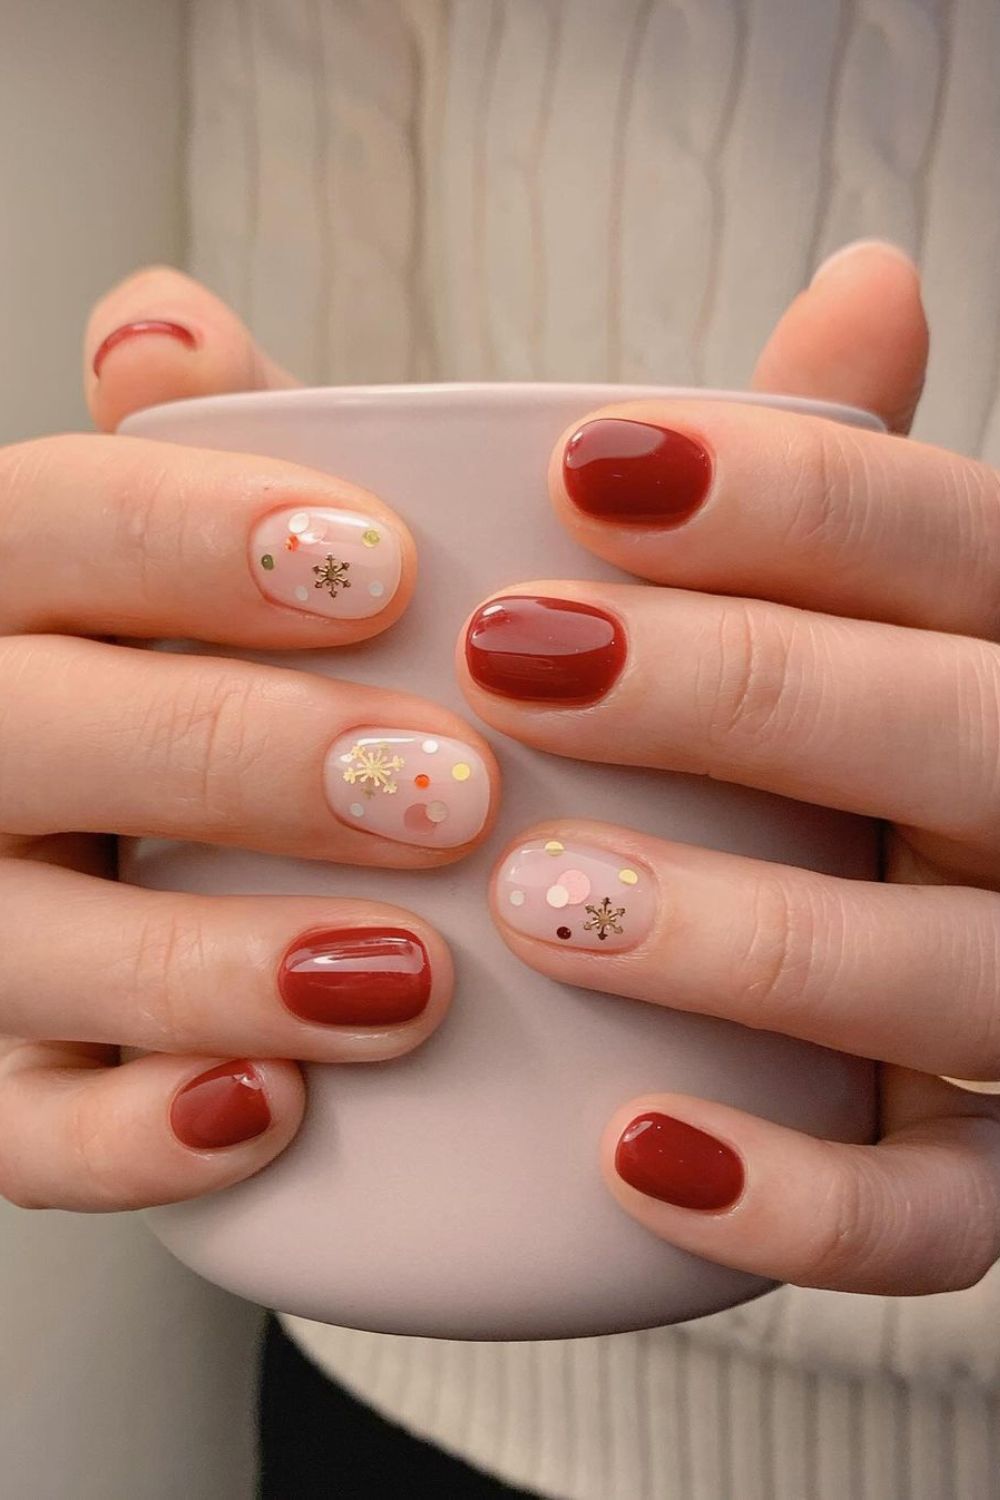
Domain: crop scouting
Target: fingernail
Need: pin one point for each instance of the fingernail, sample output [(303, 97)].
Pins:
[(409, 786), (843, 254), (576, 895), (136, 330), (545, 650), (676, 1163), (634, 472), (335, 563), (356, 976), (222, 1107)]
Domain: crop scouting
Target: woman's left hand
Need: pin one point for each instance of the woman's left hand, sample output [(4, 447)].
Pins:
[(827, 630)]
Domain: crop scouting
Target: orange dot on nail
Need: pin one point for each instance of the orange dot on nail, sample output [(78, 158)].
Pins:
[(292, 543), (421, 780)]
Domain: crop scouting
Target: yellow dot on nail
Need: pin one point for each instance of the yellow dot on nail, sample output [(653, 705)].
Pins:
[(371, 538), (461, 772), (554, 847), (628, 877)]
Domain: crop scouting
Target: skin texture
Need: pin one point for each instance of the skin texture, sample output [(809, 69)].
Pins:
[(823, 625)]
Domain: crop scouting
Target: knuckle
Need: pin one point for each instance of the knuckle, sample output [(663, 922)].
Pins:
[(775, 970), (93, 1156), (753, 689), (847, 1233), (165, 962), (16, 1184), (829, 491), (199, 738), (971, 794)]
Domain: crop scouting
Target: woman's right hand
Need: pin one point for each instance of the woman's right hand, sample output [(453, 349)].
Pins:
[(111, 537)]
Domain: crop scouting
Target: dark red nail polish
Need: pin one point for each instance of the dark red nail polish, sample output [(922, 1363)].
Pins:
[(636, 473), (136, 329), (222, 1107), (356, 976), (546, 650), (672, 1161)]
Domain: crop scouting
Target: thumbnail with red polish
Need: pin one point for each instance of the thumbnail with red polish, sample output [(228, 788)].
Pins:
[(222, 1107), (545, 650), (356, 976), (636, 473), (677, 1163), (142, 326)]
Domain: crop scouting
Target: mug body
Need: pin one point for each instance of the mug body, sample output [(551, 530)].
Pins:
[(456, 1192)]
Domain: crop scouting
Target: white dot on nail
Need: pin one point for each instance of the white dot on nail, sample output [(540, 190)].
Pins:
[(299, 522), (429, 747), (376, 589), (357, 809), (517, 898), (437, 811), (302, 592), (557, 896)]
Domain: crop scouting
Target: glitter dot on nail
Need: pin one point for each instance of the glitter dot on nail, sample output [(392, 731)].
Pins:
[(437, 811), (376, 589), (291, 544), (357, 809), (461, 772), (517, 898), (267, 561), (564, 933), (628, 877), (347, 760), (554, 847), (577, 884), (421, 780), (557, 896), (302, 592), (371, 537), (429, 747), (299, 522)]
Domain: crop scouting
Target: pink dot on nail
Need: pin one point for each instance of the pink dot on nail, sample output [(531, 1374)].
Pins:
[(557, 896), (415, 819), (576, 884)]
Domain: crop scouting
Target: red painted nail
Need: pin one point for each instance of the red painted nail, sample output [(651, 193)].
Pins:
[(634, 472), (672, 1161), (136, 329), (356, 976), (222, 1107), (546, 650)]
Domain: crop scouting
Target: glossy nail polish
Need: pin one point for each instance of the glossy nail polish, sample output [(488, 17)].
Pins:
[(636, 473), (576, 896), (545, 650), (679, 1164), (138, 329), (335, 563), (406, 785), (222, 1107), (356, 976)]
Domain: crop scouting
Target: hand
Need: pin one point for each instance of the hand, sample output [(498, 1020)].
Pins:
[(108, 536), (826, 629)]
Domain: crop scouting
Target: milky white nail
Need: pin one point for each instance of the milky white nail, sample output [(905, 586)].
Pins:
[(408, 785), (576, 895), (335, 563)]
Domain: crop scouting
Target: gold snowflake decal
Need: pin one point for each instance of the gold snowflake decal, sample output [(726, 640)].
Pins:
[(332, 575), (604, 918), (372, 768)]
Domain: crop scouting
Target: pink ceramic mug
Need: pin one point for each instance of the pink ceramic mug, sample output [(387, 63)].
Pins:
[(456, 1192)]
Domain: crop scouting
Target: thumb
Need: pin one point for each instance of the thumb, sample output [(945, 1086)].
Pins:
[(857, 334), (159, 336)]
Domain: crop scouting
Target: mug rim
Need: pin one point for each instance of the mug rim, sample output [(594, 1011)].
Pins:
[(498, 392)]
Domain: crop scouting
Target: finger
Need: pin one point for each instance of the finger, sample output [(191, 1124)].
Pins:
[(100, 738), (918, 1213), (120, 536), (892, 723), (78, 1135), (907, 974), (160, 336), (857, 334), (327, 981), (736, 499)]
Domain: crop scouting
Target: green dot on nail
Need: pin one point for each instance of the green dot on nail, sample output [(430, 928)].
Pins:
[(267, 561)]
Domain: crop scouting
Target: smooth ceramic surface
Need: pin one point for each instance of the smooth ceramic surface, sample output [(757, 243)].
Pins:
[(456, 1192)]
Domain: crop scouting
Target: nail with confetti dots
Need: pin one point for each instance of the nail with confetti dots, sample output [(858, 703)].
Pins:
[(337, 563), (407, 785), (576, 896)]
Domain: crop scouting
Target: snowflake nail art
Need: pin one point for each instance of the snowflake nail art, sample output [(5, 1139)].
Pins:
[(408, 787), (328, 562), (576, 896)]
